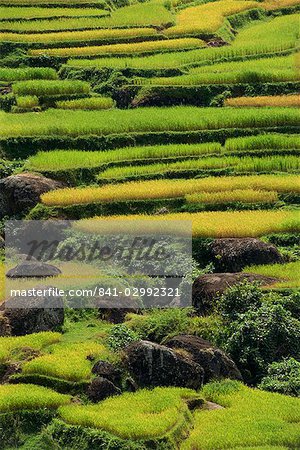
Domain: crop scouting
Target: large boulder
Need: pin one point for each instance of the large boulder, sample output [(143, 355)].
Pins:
[(101, 388), (107, 370), (33, 269), (35, 313), (21, 192), (233, 254), (215, 362), (207, 288), (152, 364)]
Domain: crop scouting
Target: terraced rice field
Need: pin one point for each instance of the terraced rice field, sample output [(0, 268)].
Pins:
[(149, 113)]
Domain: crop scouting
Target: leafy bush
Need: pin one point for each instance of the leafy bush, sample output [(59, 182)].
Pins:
[(239, 299), (283, 377), (121, 336), (260, 337)]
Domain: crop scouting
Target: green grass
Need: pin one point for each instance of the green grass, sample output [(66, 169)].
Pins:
[(10, 346), (239, 165), (154, 189), (251, 418), (29, 397), (80, 123), (281, 68), (141, 415), (257, 39), (7, 12), (68, 361), (290, 272), (139, 15), (156, 46), (263, 142), (91, 103), (28, 73), (74, 159), (50, 87)]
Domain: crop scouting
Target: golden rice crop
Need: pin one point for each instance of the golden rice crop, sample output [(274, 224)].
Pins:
[(113, 49), (178, 118), (219, 223), (207, 18), (289, 272), (277, 4), (267, 100), (238, 195), (17, 397), (50, 87), (62, 37), (169, 189), (12, 12), (74, 159), (90, 103), (244, 164)]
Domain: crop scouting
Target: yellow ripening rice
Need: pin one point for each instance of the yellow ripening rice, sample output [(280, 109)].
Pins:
[(215, 223), (114, 49), (207, 18), (153, 189), (277, 4), (268, 100), (238, 195), (63, 37)]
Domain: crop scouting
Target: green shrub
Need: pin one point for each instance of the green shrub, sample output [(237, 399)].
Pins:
[(120, 336), (260, 337), (239, 299), (283, 377)]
